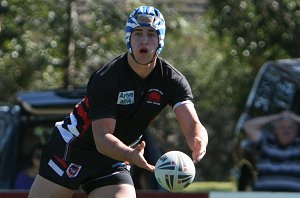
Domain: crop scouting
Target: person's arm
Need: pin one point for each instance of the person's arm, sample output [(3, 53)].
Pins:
[(109, 145), (194, 132), (292, 115), (253, 126)]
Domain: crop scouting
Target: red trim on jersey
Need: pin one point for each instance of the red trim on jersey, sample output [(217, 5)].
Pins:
[(83, 114), (87, 102), (61, 161)]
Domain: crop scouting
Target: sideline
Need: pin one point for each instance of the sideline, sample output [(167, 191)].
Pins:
[(158, 194), (140, 194), (253, 195)]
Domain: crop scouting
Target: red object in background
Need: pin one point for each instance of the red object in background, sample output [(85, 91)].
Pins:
[(158, 194), (140, 194)]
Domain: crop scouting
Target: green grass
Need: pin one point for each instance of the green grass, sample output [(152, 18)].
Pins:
[(211, 186)]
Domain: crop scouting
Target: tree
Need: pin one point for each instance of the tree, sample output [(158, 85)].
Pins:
[(219, 53), (30, 46), (258, 30), (55, 44), (249, 32)]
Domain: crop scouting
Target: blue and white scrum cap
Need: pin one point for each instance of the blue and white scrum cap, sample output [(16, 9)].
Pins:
[(146, 16)]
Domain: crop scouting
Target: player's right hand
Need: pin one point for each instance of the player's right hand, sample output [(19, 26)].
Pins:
[(137, 158)]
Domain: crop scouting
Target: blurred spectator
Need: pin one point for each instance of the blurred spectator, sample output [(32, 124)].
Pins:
[(26, 176), (278, 151)]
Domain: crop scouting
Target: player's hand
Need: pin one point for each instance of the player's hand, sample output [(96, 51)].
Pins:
[(199, 150), (137, 157)]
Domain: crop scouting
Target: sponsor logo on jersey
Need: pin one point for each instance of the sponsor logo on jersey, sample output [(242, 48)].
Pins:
[(73, 170), (126, 98), (154, 96)]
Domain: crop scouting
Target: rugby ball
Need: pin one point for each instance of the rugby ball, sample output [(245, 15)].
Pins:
[(174, 171)]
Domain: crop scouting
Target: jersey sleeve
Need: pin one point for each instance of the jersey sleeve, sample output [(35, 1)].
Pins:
[(181, 90), (102, 95)]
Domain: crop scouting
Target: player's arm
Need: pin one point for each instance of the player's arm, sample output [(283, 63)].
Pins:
[(194, 132), (109, 145)]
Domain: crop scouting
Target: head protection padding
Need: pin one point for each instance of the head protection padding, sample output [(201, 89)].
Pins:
[(146, 16)]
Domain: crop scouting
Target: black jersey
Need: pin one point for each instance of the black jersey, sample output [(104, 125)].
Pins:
[(116, 91)]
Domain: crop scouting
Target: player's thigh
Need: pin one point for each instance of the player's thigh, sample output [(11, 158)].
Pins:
[(114, 191), (42, 187)]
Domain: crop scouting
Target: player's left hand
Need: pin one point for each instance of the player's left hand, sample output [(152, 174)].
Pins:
[(199, 150)]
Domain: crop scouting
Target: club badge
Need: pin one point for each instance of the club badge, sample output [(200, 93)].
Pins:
[(154, 96), (73, 170)]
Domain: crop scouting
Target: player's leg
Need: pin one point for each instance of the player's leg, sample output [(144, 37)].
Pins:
[(53, 180), (42, 187), (114, 191), (117, 183)]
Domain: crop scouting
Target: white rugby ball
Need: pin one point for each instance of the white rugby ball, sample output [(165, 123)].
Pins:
[(174, 171)]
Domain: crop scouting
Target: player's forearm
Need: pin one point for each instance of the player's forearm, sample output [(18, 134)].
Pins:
[(198, 131), (203, 135), (197, 139), (112, 147), (194, 132)]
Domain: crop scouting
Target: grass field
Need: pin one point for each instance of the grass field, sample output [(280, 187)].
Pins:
[(211, 186)]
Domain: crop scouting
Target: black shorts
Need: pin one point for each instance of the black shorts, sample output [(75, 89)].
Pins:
[(74, 167)]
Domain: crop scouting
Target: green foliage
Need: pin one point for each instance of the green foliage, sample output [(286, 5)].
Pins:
[(212, 72), (220, 54), (247, 33), (258, 30), (29, 47), (50, 44), (37, 36)]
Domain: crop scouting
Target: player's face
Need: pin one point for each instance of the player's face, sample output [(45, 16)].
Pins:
[(144, 43)]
